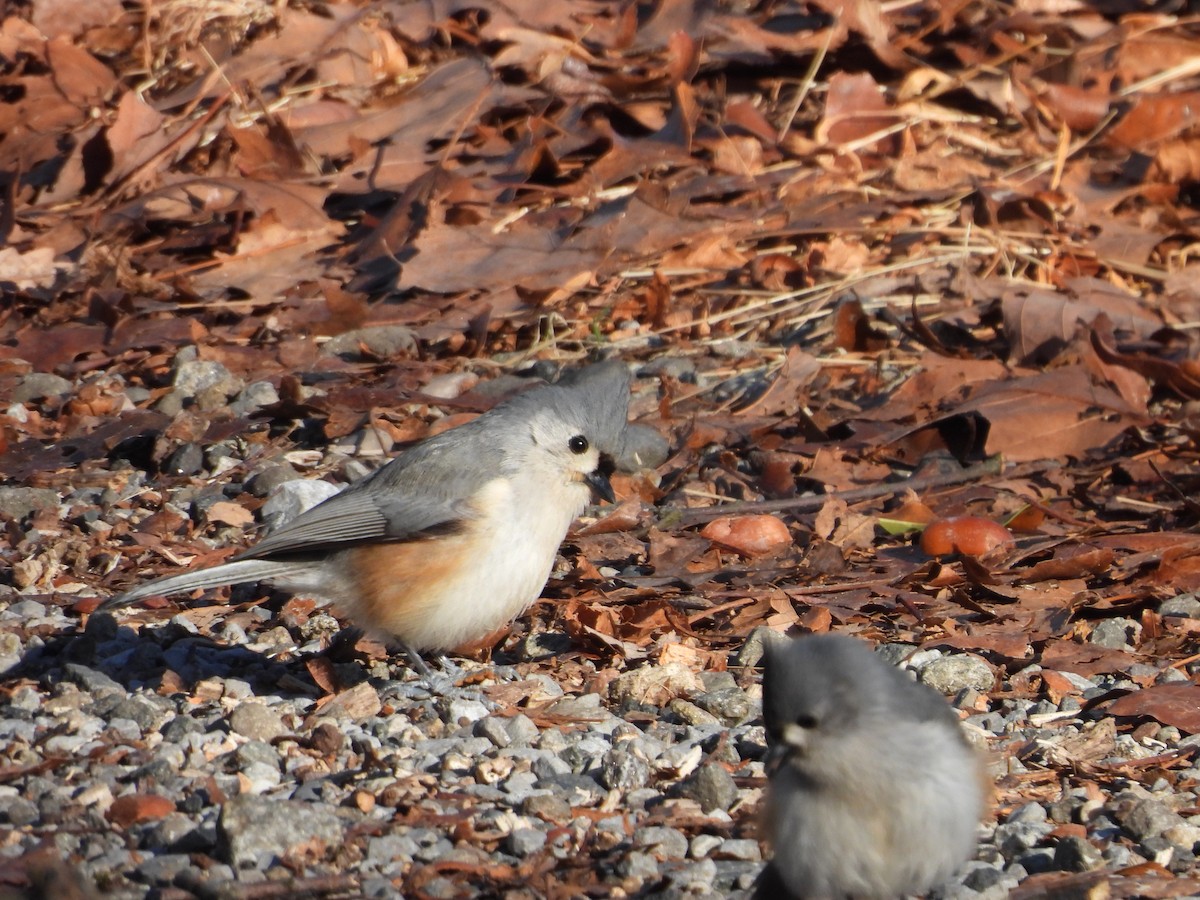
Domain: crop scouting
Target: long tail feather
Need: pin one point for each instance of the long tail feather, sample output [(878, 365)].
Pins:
[(229, 573)]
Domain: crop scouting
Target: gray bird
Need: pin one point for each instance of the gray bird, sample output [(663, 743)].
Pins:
[(457, 535), (874, 791)]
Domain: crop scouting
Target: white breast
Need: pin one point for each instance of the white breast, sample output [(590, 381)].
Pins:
[(513, 550)]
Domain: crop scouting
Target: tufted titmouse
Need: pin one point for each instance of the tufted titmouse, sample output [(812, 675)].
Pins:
[(874, 790), (457, 535)]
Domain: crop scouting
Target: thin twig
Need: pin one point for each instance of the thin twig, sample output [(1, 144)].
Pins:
[(992, 466)]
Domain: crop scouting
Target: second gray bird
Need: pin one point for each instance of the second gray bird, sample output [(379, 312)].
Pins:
[(874, 791)]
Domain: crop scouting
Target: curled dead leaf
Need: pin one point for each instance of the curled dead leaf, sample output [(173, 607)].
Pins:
[(1175, 704), (748, 535), (226, 512), (965, 535), (134, 808)]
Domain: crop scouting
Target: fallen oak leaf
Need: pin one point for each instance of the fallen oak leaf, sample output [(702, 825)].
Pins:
[(226, 512), (131, 809), (1093, 561), (1175, 704), (1180, 379)]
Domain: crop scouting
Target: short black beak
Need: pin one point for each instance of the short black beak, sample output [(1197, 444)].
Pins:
[(598, 480), (775, 759)]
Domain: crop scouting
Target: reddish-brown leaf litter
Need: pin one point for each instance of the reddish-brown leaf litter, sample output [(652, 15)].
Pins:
[(875, 265)]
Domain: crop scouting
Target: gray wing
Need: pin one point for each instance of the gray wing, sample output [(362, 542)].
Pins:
[(423, 492)]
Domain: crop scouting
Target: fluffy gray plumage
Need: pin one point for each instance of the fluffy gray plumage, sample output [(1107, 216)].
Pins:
[(874, 791)]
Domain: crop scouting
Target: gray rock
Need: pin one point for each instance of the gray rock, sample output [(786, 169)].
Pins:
[(544, 644), (1076, 854), (1116, 634), (1158, 849), (981, 877), (163, 869), (643, 798), (91, 680), (584, 755), (257, 721), (148, 712), (577, 790), (518, 786), (1038, 860), (731, 705), (1030, 813), (682, 368), (256, 753), (715, 682), (548, 807), (20, 502), (741, 848), (462, 710), (1186, 605), (623, 771), (381, 341), (18, 812), (896, 653), (1014, 839), (751, 652), (1144, 819), (1169, 676), (951, 674), (584, 706), (254, 397), (524, 841), (691, 714), (703, 845), (39, 385), (187, 459), (549, 766), (389, 848), (521, 730), (205, 378), (256, 832), (294, 497), (492, 728), (26, 698), (638, 865), (1118, 856), (644, 447), (270, 476), (26, 609), (694, 880), (661, 841), (180, 834), (1066, 809), (711, 786)]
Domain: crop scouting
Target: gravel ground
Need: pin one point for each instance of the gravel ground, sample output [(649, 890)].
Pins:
[(247, 750), (247, 781)]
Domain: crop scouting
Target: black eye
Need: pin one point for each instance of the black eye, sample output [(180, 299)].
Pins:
[(807, 721), (578, 444)]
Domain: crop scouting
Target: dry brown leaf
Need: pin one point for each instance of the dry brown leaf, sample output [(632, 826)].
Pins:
[(1154, 118), (229, 513), (131, 809), (1170, 704)]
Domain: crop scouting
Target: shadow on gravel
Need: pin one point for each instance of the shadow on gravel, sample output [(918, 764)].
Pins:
[(108, 655)]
